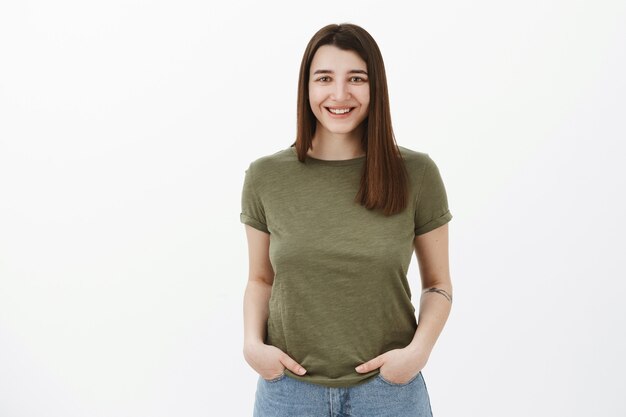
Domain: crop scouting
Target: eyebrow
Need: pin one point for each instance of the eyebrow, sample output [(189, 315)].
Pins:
[(326, 71)]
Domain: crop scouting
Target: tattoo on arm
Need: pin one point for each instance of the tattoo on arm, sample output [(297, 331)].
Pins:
[(439, 291)]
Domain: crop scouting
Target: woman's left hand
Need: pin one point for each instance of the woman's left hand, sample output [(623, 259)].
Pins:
[(397, 366)]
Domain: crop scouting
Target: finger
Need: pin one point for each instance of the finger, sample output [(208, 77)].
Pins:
[(292, 365), (370, 365)]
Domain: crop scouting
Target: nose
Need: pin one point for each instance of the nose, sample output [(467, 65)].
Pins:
[(341, 91)]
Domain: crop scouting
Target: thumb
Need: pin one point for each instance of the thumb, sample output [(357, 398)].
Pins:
[(292, 365), (370, 365)]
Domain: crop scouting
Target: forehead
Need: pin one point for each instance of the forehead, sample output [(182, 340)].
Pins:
[(329, 57)]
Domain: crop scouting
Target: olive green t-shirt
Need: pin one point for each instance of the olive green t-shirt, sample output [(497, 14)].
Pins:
[(340, 295)]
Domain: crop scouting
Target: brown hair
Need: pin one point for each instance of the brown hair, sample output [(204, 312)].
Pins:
[(384, 180)]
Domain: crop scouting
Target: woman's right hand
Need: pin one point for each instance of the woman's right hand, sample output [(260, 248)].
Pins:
[(269, 361)]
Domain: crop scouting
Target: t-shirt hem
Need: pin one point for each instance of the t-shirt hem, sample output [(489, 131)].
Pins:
[(342, 382), (435, 223)]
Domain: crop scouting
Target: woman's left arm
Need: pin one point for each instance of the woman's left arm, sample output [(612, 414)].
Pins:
[(431, 250)]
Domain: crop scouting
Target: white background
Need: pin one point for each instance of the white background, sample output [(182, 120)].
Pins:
[(125, 130)]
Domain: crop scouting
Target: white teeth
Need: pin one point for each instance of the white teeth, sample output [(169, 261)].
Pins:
[(339, 111)]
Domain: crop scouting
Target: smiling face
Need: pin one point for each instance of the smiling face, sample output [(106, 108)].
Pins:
[(339, 91)]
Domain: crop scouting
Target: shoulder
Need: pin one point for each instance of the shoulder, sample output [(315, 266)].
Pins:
[(269, 161), (422, 169), (415, 161), (272, 164)]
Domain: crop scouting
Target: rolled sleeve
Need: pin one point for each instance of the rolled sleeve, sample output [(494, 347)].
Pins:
[(432, 208), (252, 210)]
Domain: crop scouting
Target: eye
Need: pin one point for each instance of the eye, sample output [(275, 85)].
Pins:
[(323, 78), (356, 79)]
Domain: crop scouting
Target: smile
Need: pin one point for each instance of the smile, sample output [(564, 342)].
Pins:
[(340, 111)]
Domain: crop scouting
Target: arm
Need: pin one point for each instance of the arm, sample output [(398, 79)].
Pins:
[(267, 360), (431, 250), (400, 365), (259, 287)]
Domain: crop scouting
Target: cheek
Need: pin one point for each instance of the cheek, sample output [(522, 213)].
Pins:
[(314, 97), (363, 96), (366, 96), (313, 104), (365, 103)]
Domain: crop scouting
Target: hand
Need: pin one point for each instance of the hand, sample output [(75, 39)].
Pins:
[(397, 366), (269, 361)]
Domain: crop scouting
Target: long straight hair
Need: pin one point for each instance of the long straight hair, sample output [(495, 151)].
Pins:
[(384, 180)]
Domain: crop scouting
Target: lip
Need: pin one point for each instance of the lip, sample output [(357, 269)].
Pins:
[(339, 116)]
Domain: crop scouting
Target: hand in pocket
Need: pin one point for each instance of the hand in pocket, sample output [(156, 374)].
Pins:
[(397, 366), (270, 362)]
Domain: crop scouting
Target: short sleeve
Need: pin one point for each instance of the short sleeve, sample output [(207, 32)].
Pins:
[(432, 201), (252, 210)]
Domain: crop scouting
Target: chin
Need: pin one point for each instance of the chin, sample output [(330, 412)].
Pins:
[(341, 131)]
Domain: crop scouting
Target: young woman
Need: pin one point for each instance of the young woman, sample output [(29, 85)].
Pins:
[(332, 222)]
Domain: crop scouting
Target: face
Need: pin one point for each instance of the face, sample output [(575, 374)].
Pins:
[(338, 82)]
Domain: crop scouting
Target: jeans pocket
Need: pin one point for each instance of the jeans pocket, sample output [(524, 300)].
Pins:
[(278, 378), (380, 376)]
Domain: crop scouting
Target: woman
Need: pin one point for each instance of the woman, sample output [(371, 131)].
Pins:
[(331, 223)]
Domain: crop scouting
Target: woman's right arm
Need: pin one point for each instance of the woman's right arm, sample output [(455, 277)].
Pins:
[(259, 288), (267, 360)]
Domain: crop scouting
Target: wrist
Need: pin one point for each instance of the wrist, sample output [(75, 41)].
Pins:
[(416, 348), (252, 343)]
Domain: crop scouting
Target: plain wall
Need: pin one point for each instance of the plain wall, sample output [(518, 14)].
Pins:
[(125, 130)]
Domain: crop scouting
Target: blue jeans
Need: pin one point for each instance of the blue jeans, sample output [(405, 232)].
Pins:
[(288, 397)]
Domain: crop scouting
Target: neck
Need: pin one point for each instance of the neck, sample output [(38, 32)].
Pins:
[(336, 146)]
